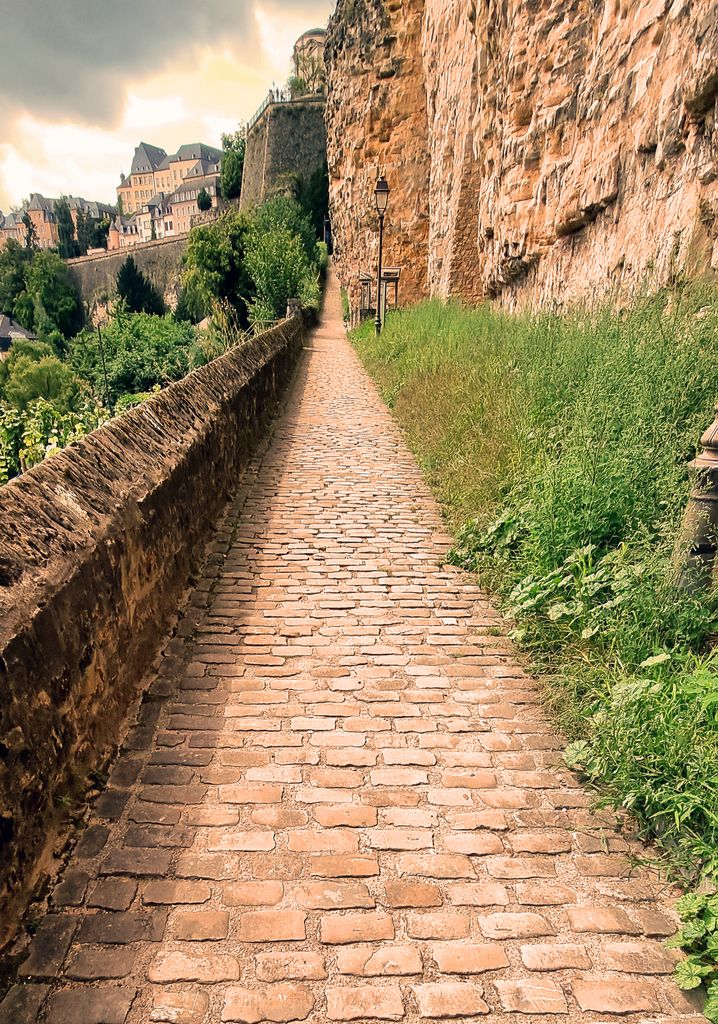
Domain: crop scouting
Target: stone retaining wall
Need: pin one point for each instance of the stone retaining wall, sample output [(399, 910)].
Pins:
[(160, 261), (288, 139), (97, 546)]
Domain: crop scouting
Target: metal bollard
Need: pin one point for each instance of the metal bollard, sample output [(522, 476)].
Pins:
[(698, 543)]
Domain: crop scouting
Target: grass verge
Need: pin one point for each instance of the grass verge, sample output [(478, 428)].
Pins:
[(558, 447)]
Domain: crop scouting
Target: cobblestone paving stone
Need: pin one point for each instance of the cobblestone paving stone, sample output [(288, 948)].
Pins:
[(342, 801)]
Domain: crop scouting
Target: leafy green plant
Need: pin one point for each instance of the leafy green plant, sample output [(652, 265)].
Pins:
[(698, 938), (26, 438), (234, 145)]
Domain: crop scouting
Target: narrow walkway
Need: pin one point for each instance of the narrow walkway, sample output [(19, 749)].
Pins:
[(343, 802)]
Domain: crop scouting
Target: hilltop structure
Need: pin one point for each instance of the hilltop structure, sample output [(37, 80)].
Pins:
[(286, 138), (159, 197)]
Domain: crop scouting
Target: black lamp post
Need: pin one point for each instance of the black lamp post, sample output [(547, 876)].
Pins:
[(381, 194)]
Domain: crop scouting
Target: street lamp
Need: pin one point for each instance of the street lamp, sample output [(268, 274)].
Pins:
[(381, 194)]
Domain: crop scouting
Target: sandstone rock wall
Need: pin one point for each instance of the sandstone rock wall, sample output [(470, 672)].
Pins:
[(376, 124), (160, 261), (571, 145), (288, 139), (96, 548)]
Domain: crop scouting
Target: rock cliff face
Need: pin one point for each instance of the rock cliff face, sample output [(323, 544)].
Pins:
[(376, 124), (557, 150)]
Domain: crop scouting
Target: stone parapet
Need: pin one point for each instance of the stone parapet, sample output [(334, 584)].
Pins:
[(97, 547)]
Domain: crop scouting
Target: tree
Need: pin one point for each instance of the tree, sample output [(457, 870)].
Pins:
[(30, 233), (204, 200), (67, 245), (312, 194), (13, 265), (215, 269), (24, 348), (47, 378), (101, 231), (52, 297), (234, 145), (310, 75), (85, 231), (137, 292), (36, 289)]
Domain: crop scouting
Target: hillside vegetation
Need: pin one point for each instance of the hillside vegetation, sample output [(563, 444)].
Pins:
[(239, 273), (558, 447)]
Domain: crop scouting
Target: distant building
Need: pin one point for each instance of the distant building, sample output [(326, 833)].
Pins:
[(175, 169), (123, 233), (308, 58), (134, 191), (184, 200), (159, 198), (10, 331), (41, 212), (96, 211), (11, 226)]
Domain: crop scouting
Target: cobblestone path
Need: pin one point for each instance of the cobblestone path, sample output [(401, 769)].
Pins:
[(342, 801)]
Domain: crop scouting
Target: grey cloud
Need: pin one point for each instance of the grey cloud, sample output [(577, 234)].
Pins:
[(70, 58)]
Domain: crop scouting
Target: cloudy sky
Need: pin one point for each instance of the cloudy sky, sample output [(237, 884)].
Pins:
[(83, 81)]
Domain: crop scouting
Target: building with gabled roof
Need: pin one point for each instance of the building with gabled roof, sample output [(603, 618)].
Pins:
[(155, 172), (184, 200), (41, 212), (124, 232), (11, 226), (147, 158), (10, 331)]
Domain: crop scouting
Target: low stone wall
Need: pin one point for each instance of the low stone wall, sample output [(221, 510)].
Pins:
[(97, 546), (160, 261)]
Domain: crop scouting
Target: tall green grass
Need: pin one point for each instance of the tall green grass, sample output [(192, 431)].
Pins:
[(558, 446)]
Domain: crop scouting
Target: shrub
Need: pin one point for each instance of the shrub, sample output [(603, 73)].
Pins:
[(278, 265), (42, 430), (141, 351)]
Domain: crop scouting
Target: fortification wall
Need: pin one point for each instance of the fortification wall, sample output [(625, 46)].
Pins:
[(567, 149), (377, 124), (160, 261), (96, 549), (288, 139)]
